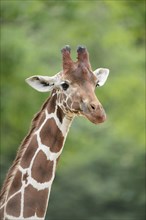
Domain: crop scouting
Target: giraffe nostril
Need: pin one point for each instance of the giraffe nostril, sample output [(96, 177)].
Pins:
[(93, 106)]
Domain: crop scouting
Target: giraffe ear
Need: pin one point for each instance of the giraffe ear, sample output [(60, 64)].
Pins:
[(42, 83), (101, 75)]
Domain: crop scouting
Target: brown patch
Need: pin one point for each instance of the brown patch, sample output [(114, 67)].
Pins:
[(42, 168), (13, 205), (51, 136), (42, 118), (16, 184), (25, 176), (29, 153), (35, 202), (69, 102), (52, 104), (2, 213), (60, 114), (64, 104)]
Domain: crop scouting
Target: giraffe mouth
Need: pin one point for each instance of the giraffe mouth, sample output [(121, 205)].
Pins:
[(95, 119)]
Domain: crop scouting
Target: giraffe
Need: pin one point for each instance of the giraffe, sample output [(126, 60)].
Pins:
[(26, 190)]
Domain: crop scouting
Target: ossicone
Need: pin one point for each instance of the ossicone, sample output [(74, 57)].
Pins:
[(83, 56), (66, 58)]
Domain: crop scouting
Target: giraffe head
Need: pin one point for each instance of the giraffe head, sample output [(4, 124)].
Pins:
[(75, 86)]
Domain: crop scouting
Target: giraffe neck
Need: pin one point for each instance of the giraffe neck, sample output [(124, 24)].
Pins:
[(27, 194)]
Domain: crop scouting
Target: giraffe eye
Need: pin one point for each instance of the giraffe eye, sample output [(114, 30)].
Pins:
[(64, 86)]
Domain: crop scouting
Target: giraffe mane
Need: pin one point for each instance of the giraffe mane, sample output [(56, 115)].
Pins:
[(20, 152)]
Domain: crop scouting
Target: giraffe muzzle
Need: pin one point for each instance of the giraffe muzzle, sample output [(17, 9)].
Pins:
[(94, 112), (97, 113)]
